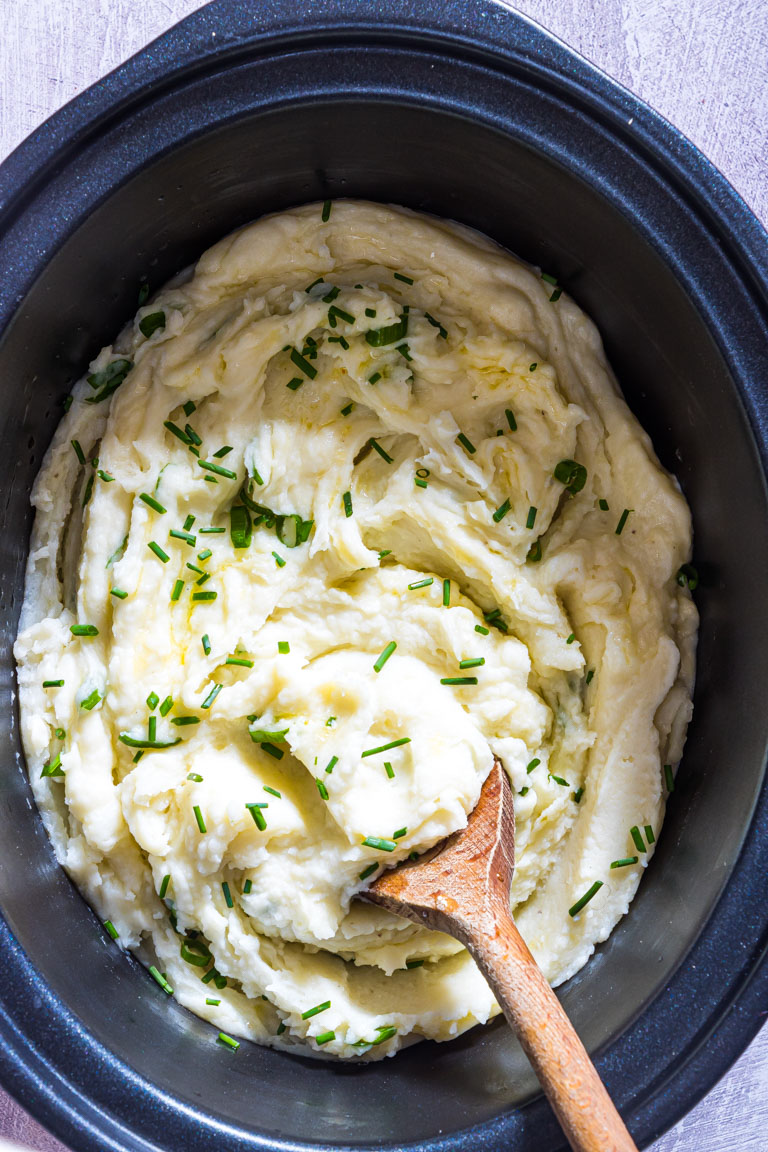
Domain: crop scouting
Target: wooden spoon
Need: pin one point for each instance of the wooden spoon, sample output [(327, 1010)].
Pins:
[(462, 888)]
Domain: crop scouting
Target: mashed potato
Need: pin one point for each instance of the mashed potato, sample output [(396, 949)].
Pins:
[(345, 513)]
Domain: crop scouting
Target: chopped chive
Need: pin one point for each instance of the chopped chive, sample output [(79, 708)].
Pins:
[(405, 279), (688, 577), (649, 834), (309, 288), (589, 676), (531, 517), (91, 700), (53, 767), (339, 340), (331, 765), (559, 780), (637, 838), (585, 899), (166, 706), (534, 366), (280, 1028), (206, 645), (314, 1011), (326, 213), (322, 789), (283, 647), (420, 483), (213, 692), (295, 383), (347, 502), (511, 419), (211, 530), (214, 1003), (178, 588), (188, 522), (53, 683), (572, 475), (411, 964), (425, 583), (218, 469), (138, 757), (88, 491), (279, 560), (105, 476), (378, 448), (258, 816), (549, 279), (404, 351), (524, 791), (185, 721), (158, 976), (185, 536), (78, 451), (273, 791), (204, 555), (446, 593), (119, 593), (374, 379), (272, 749), (189, 407), (195, 777), (386, 747), (158, 551), (345, 411), (501, 511), (164, 885), (603, 504), (533, 554), (204, 596), (532, 764), (625, 863), (230, 1043), (108, 380), (84, 630), (227, 894), (622, 521), (389, 770), (240, 661), (380, 844), (386, 1032), (324, 1037), (436, 324), (369, 871), (192, 435), (482, 630), (459, 681), (555, 295), (338, 313), (272, 735), (334, 292), (177, 432), (303, 364), (385, 655), (155, 505), (224, 451), (472, 662), (370, 312), (248, 884), (389, 334), (466, 443), (571, 638), (59, 733), (153, 745), (399, 834), (577, 795), (199, 818), (386, 552)]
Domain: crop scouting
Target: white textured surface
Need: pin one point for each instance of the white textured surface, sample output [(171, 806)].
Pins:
[(702, 63)]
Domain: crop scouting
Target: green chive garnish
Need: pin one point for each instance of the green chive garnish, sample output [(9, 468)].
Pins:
[(585, 899), (118, 593), (466, 443), (378, 448), (589, 676), (230, 1043), (53, 683), (279, 560), (622, 521), (53, 767), (577, 795), (459, 681), (108, 380), (218, 469), (166, 706), (625, 863), (399, 834), (273, 791), (389, 770), (206, 645), (164, 885), (410, 964), (324, 1037), (374, 379), (425, 583), (404, 351), (688, 577), (386, 747), (272, 735), (420, 483), (154, 504), (314, 1011), (385, 655), (158, 551), (152, 745), (446, 593), (258, 816), (201, 530), (532, 764), (326, 213), (214, 1003), (405, 279), (105, 476), (185, 536), (511, 419), (603, 505), (386, 1032), (378, 843), (157, 975), (227, 894), (637, 838), (185, 721), (531, 517), (303, 364), (483, 631), (436, 324), (295, 383), (152, 323), (177, 432), (283, 647), (369, 871), (559, 780), (204, 555), (345, 411), (199, 818), (78, 451), (572, 475), (534, 366), (84, 630), (649, 834), (534, 553), (322, 789), (335, 313), (247, 887), (90, 701), (347, 502), (272, 749), (389, 334), (88, 491), (330, 766), (501, 511), (195, 777), (472, 662), (204, 596), (240, 661), (178, 588)]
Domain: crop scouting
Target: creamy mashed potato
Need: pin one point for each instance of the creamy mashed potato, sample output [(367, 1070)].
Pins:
[(342, 515)]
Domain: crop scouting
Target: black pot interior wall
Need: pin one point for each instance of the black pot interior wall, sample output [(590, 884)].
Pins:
[(675, 379)]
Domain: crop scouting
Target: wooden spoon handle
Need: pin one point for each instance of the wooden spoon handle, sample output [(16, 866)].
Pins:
[(568, 1076)]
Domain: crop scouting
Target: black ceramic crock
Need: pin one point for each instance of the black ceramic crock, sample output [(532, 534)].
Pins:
[(468, 111)]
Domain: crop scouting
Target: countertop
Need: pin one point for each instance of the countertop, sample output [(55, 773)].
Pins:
[(703, 64)]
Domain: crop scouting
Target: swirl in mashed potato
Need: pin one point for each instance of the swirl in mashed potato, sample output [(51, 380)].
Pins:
[(367, 510)]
